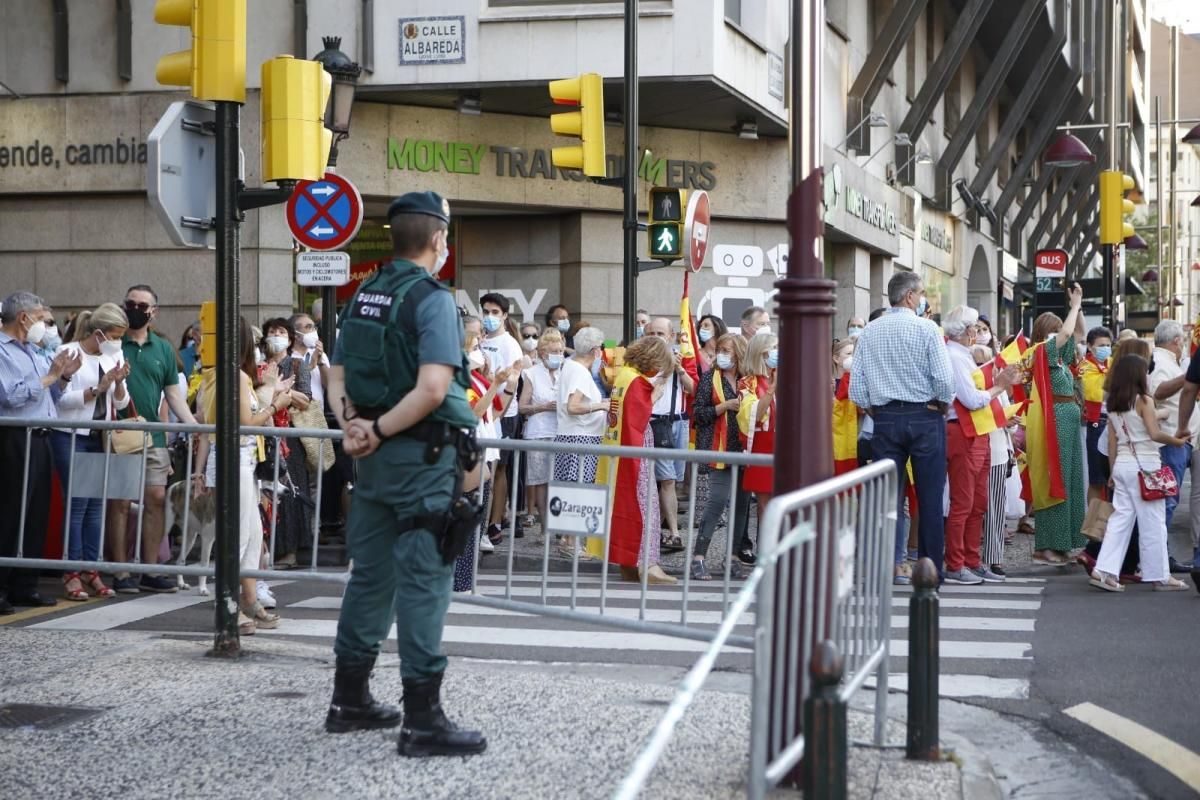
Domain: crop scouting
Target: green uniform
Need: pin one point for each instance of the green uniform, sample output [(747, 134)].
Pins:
[(400, 318)]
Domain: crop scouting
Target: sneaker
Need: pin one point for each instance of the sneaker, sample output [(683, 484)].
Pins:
[(157, 583), (485, 544), (964, 576), (999, 570), (746, 556), (264, 595), (988, 575), (126, 585)]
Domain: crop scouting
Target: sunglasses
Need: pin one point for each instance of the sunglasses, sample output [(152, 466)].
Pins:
[(132, 306), (533, 336)]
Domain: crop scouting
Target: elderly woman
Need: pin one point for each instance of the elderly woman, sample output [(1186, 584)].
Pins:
[(968, 452), (715, 417), (580, 408), (538, 403), (634, 529)]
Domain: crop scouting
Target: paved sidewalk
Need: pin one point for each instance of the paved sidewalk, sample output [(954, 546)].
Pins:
[(175, 723)]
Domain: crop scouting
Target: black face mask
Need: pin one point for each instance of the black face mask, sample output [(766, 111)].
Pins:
[(138, 319)]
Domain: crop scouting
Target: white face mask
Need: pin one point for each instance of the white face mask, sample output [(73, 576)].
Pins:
[(847, 362), (310, 339), (984, 338), (475, 359), (259, 358), (277, 344), (110, 347), (765, 330), (36, 332), (529, 345)]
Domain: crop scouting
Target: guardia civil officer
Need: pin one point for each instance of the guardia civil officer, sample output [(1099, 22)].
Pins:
[(398, 387)]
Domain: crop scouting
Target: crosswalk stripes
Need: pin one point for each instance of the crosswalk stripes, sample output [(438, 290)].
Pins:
[(986, 631)]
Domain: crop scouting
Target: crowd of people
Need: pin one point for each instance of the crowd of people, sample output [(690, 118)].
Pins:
[(1041, 431), (110, 363)]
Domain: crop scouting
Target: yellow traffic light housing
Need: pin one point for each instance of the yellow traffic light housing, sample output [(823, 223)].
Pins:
[(586, 92), (664, 231), (208, 334), (1114, 207), (215, 66), (295, 140)]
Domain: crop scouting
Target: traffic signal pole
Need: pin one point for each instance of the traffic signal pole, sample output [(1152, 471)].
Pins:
[(225, 643), (629, 221), (805, 308)]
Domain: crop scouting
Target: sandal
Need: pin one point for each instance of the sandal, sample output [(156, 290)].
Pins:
[(1170, 585), (671, 544), (1105, 582), (262, 618), (73, 587), (1024, 527), (700, 571), (1049, 562), (93, 582), (246, 626)]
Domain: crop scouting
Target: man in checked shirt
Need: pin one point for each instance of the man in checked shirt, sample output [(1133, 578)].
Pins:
[(901, 375)]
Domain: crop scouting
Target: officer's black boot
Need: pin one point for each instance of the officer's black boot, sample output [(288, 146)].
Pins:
[(426, 731), (352, 707)]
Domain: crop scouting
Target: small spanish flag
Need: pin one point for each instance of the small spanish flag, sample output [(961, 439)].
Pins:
[(985, 376), (983, 421), (845, 428)]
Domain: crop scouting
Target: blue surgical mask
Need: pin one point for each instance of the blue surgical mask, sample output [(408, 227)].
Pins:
[(724, 361), (640, 332), (772, 359), (597, 365), (491, 324), (854, 331), (564, 325), (554, 360), (52, 341), (1103, 353), (922, 307), (705, 334)]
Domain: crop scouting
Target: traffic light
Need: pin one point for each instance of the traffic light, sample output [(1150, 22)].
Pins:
[(1114, 207), (664, 232), (586, 92), (208, 334), (215, 66), (295, 140)]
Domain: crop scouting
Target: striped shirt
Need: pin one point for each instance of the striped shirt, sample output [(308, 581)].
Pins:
[(21, 390), (901, 357)]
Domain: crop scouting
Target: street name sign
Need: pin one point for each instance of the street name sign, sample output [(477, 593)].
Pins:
[(181, 172), (316, 268), (696, 229), (325, 214)]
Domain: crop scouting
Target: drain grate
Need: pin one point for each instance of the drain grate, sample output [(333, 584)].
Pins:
[(43, 717)]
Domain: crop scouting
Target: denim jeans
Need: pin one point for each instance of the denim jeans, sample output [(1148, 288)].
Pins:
[(83, 542), (1177, 458), (910, 430)]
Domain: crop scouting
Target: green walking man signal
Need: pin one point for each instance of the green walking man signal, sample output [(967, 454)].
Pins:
[(664, 232)]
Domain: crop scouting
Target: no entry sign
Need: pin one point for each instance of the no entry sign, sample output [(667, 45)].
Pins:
[(696, 229), (325, 214)]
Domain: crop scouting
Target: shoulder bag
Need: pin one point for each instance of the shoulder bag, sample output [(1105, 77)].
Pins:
[(128, 442), (664, 427), (1155, 484)]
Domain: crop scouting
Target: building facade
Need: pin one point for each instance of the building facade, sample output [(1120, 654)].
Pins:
[(935, 113)]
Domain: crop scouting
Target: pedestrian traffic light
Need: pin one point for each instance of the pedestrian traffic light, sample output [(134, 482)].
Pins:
[(295, 141), (215, 66), (586, 92), (664, 233), (1114, 208), (208, 334)]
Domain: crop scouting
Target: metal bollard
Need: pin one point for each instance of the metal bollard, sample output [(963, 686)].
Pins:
[(825, 727), (922, 742)]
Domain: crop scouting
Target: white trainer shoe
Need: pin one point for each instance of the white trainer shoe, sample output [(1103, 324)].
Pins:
[(264, 595)]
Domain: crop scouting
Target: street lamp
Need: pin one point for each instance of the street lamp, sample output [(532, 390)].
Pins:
[(344, 73), (1136, 242), (1150, 276), (1068, 151), (1192, 136), (876, 119)]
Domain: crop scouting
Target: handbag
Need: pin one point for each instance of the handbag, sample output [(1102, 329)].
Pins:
[(1155, 484), (318, 453), (664, 427), (1095, 522), (128, 442)]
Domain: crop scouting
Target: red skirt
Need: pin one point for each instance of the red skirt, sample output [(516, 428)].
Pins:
[(761, 479)]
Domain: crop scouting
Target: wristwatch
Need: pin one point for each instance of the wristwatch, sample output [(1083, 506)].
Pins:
[(376, 429)]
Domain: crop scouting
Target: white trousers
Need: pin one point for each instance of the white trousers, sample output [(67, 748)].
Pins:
[(1151, 518), (250, 529)]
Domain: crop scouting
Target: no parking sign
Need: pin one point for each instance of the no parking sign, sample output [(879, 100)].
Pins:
[(325, 214)]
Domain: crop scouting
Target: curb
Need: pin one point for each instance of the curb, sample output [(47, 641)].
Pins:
[(979, 779)]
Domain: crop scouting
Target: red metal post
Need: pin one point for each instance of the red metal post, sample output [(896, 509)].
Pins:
[(804, 454)]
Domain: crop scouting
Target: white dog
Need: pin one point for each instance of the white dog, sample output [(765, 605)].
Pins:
[(202, 515)]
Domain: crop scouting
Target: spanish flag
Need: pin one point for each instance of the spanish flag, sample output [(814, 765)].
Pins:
[(628, 418), (1195, 336), (1041, 439), (983, 421), (720, 442), (689, 344), (1091, 374), (985, 376), (845, 428)]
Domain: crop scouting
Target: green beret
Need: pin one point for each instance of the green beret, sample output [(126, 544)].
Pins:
[(429, 203)]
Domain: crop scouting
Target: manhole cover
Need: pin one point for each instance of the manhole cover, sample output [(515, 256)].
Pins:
[(286, 695), (21, 715)]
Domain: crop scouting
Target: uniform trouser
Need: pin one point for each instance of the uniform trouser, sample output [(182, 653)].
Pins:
[(398, 577), (36, 500)]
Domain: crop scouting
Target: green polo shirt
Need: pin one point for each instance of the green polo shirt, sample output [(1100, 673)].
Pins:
[(152, 369)]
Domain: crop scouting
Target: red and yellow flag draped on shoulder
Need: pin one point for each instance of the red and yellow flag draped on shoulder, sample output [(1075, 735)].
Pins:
[(845, 428), (1042, 448), (1091, 375), (628, 418)]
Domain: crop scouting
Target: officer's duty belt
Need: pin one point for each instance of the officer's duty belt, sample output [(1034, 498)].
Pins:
[(428, 431)]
